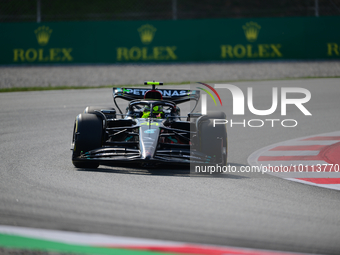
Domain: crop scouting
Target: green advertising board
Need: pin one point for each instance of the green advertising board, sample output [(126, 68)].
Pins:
[(170, 41)]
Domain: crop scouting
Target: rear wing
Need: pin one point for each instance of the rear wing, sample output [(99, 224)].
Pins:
[(175, 95)]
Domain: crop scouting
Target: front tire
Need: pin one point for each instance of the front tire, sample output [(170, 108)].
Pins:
[(109, 112), (87, 135)]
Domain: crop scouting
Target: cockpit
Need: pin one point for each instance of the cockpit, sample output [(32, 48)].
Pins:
[(142, 108)]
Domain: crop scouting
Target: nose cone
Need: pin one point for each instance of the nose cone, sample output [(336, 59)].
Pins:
[(148, 138)]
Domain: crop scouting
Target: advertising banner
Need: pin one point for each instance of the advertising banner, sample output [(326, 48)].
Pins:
[(170, 41)]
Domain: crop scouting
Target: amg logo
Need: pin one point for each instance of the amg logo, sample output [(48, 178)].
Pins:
[(141, 92)]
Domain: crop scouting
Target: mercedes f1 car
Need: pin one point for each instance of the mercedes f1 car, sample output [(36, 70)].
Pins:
[(150, 132)]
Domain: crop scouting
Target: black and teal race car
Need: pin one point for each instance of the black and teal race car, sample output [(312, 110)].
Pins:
[(150, 132)]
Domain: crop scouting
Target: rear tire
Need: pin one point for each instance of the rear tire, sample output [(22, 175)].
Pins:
[(213, 140), (87, 135)]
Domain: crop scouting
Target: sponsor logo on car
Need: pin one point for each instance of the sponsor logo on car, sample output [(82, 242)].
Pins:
[(164, 92)]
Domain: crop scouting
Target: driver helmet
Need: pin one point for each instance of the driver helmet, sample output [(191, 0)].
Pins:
[(157, 111)]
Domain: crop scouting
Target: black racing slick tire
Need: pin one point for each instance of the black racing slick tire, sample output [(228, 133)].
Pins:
[(87, 135), (213, 141)]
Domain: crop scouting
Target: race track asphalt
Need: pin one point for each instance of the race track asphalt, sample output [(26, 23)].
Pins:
[(40, 188)]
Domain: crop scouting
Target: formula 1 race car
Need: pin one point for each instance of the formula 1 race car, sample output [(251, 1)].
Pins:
[(149, 133)]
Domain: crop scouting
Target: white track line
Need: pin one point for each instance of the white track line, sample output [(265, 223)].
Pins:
[(290, 153), (81, 238)]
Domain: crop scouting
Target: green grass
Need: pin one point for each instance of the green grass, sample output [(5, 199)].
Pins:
[(23, 89), (33, 244)]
